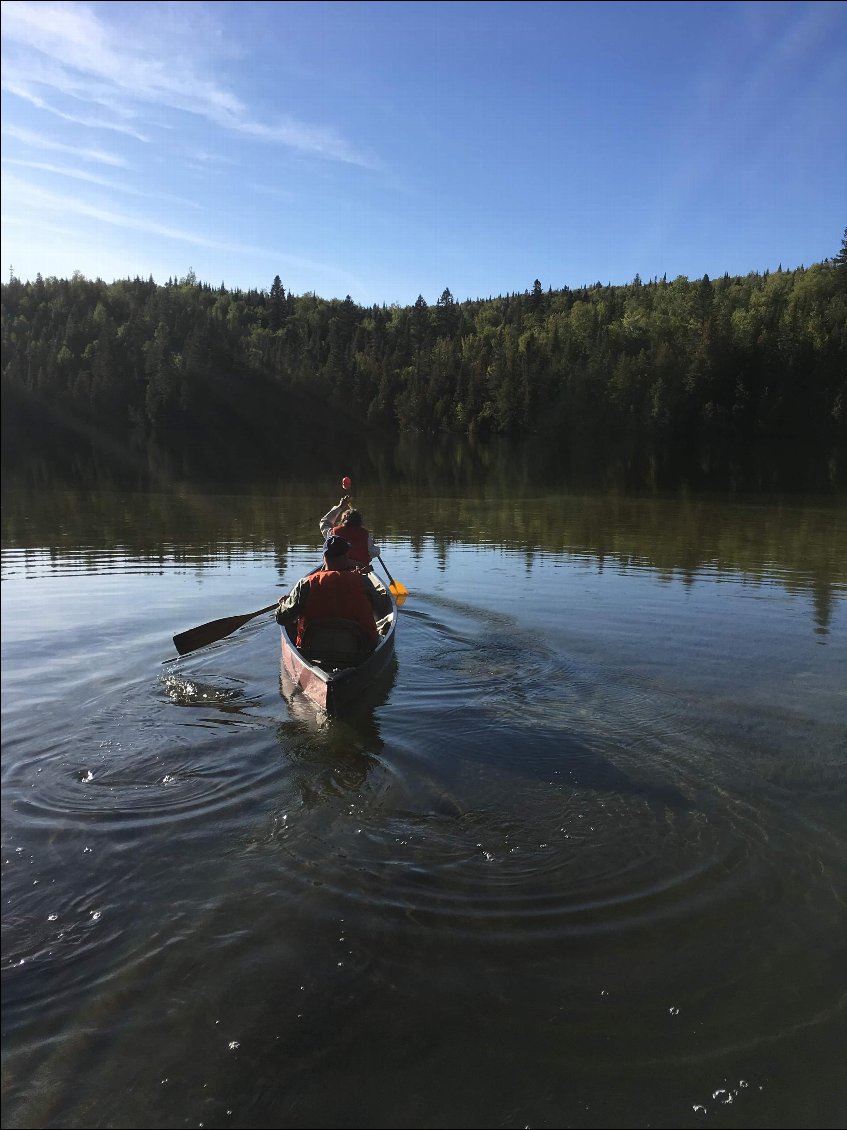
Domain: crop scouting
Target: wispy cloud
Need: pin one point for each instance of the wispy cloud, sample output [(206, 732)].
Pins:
[(203, 156), (37, 199), (38, 141), (22, 91), (90, 60), (101, 182), (54, 208), (44, 226), (208, 164), (272, 190)]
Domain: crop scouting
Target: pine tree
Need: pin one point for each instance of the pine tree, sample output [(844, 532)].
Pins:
[(445, 313), (420, 320), (537, 299), (277, 303)]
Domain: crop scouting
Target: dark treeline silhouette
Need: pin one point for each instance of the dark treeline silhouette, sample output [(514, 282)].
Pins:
[(756, 358)]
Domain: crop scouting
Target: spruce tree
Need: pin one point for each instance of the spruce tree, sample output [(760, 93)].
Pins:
[(277, 303)]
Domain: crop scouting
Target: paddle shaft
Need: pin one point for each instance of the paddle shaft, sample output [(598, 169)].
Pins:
[(382, 563), (215, 630), (395, 586)]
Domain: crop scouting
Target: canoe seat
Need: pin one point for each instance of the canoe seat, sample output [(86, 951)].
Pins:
[(335, 643)]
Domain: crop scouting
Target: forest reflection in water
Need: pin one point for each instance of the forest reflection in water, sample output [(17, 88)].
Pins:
[(481, 498)]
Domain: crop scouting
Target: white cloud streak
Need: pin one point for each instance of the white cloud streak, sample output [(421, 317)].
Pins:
[(23, 92), (88, 60), (102, 182), (45, 207), (38, 141), (40, 200)]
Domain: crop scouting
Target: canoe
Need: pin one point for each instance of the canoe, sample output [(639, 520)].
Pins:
[(333, 669)]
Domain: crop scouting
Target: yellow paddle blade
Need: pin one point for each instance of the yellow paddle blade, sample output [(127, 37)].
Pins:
[(394, 586)]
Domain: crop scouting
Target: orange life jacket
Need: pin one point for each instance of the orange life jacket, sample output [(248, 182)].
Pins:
[(357, 536), (334, 594)]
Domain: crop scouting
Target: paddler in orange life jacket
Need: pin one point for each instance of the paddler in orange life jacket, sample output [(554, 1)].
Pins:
[(346, 522), (338, 591)]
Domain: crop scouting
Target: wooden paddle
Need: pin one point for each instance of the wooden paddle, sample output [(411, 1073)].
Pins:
[(213, 631), (394, 586)]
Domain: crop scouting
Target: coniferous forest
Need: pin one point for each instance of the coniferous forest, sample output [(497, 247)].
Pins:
[(749, 359)]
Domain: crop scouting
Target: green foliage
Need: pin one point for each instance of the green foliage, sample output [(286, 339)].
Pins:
[(757, 357)]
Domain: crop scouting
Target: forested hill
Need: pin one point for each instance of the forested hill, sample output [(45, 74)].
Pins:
[(760, 356)]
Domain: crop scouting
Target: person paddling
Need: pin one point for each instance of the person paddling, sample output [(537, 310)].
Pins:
[(343, 520), (338, 590)]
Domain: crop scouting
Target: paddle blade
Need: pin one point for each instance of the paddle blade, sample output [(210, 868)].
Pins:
[(215, 630), (395, 587)]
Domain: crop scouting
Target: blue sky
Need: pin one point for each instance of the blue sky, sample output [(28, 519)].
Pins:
[(389, 150)]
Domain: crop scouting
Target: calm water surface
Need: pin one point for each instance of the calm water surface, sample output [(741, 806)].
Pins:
[(578, 862)]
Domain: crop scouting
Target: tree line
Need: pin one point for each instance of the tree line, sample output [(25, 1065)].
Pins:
[(760, 356)]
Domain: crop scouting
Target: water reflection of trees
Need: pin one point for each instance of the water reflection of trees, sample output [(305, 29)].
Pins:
[(429, 465), (488, 496)]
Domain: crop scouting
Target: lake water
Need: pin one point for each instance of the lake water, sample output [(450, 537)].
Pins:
[(578, 862)]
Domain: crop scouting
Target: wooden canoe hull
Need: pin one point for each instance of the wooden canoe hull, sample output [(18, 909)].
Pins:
[(331, 691)]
